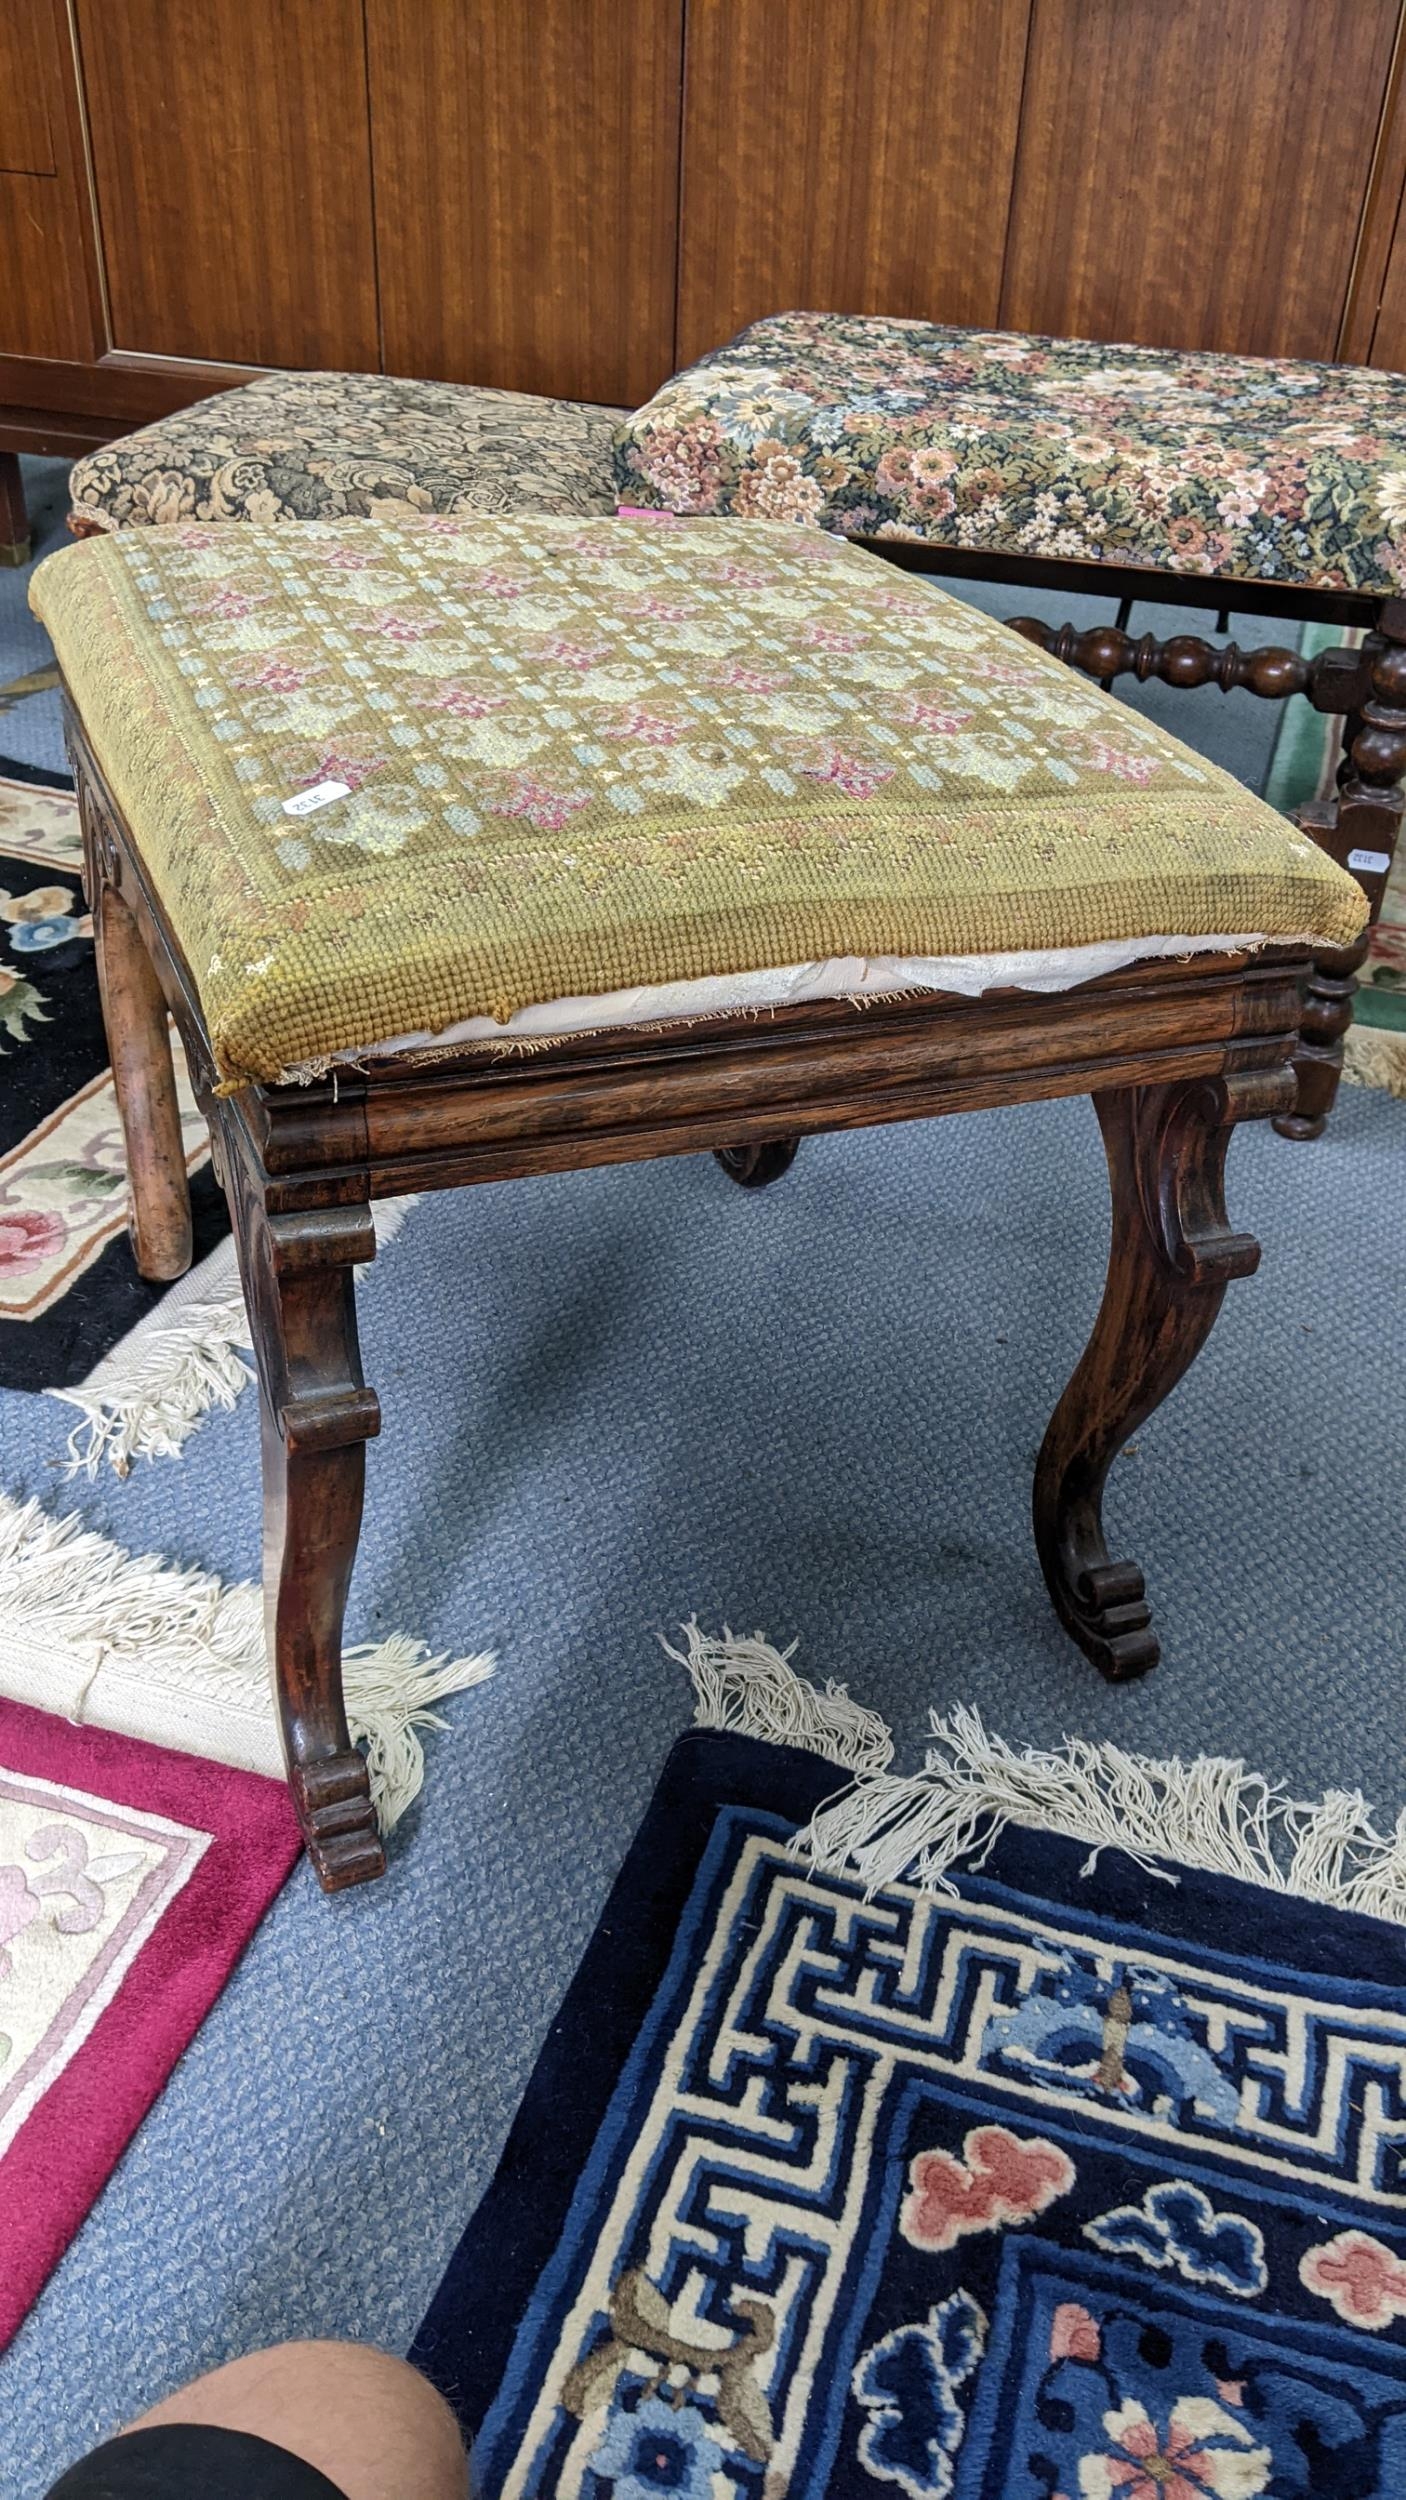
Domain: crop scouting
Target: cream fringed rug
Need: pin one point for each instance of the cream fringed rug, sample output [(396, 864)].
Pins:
[(125, 1642)]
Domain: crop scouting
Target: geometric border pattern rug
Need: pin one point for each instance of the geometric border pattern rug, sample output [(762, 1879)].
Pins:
[(131, 1880), (1058, 2178), (68, 1286)]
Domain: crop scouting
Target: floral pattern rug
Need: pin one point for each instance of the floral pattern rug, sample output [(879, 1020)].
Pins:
[(1065, 2182), (68, 1287)]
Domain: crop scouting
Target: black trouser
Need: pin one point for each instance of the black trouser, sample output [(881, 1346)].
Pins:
[(192, 2461)]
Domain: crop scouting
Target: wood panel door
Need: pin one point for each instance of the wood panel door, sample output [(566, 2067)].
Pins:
[(526, 163), (49, 299), (1192, 173), (846, 156), (231, 152)]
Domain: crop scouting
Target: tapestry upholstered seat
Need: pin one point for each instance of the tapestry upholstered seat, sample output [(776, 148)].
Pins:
[(562, 758), (355, 786), (1239, 467), (312, 446)]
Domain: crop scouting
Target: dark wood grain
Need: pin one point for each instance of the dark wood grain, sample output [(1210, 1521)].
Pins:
[(1194, 176), (846, 157), (50, 296), (28, 143), (231, 151), (527, 191), (1171, 1258), (1380, 219)]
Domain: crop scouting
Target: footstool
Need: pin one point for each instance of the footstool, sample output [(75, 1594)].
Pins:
[(312, 446), (369, 807), (1277, 489)]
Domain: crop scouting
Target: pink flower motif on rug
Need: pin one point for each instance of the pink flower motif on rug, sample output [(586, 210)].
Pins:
[(1075, 2335), (1364, 2280), (1003, 2178), (131, 1880), (28, 1236)]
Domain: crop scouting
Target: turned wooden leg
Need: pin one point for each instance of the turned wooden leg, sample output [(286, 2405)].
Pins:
[(317, 1415), (139, 1046), (1358, 828), (14, 519), (1171, 1258), (752, 1167)]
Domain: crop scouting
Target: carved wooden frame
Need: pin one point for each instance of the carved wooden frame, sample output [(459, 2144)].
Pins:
[(1366, 689), (1173, 1054)]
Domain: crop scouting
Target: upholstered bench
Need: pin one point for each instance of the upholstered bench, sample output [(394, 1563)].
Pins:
[(312, 446), (366, 806), (1224, 482)]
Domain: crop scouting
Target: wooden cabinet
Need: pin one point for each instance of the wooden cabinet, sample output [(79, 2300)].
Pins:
[(527, 191), (232, 162), (575, 196), (1192, 173), (846, 156), (50, 304)]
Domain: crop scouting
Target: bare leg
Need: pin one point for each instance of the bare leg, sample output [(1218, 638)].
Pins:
[(368, 2422), (1171, 1258)]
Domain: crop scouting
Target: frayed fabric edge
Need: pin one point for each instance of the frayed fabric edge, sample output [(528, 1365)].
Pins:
[(750, 1689), (1210, 1814), (131, 1643)]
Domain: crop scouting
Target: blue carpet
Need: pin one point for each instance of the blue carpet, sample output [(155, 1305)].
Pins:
[(31, 726), (612, 1398)]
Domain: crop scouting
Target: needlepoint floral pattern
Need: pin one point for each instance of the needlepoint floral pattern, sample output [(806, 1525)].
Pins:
[(577, 756), (1242, 466), (310, 446)]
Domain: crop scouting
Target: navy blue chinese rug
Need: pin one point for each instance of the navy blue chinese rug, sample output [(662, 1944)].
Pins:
[(1069, 2185)]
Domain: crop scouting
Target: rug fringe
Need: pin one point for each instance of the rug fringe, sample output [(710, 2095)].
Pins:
[(751, 1689), (131, 1643), (146, 1398), (1374, 1055), (1208, 1813)]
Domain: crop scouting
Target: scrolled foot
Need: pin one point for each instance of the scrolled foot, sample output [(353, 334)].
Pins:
[(753, 1167), (1103, 1606), (338, 1820), (1172, 1255)]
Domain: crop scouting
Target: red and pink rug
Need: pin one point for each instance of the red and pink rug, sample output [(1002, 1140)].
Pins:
[(131, 1880)]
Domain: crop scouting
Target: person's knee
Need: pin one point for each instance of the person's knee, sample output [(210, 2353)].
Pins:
[(365, 2419)]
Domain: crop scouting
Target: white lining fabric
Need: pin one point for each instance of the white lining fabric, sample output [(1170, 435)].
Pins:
[(793, 985)]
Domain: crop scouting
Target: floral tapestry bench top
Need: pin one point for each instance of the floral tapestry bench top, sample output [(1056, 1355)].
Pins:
[(1239, 466), (387, 776)]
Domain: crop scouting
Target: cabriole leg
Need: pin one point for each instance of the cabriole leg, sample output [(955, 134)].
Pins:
[(317, 1415), (1171, 1258)]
